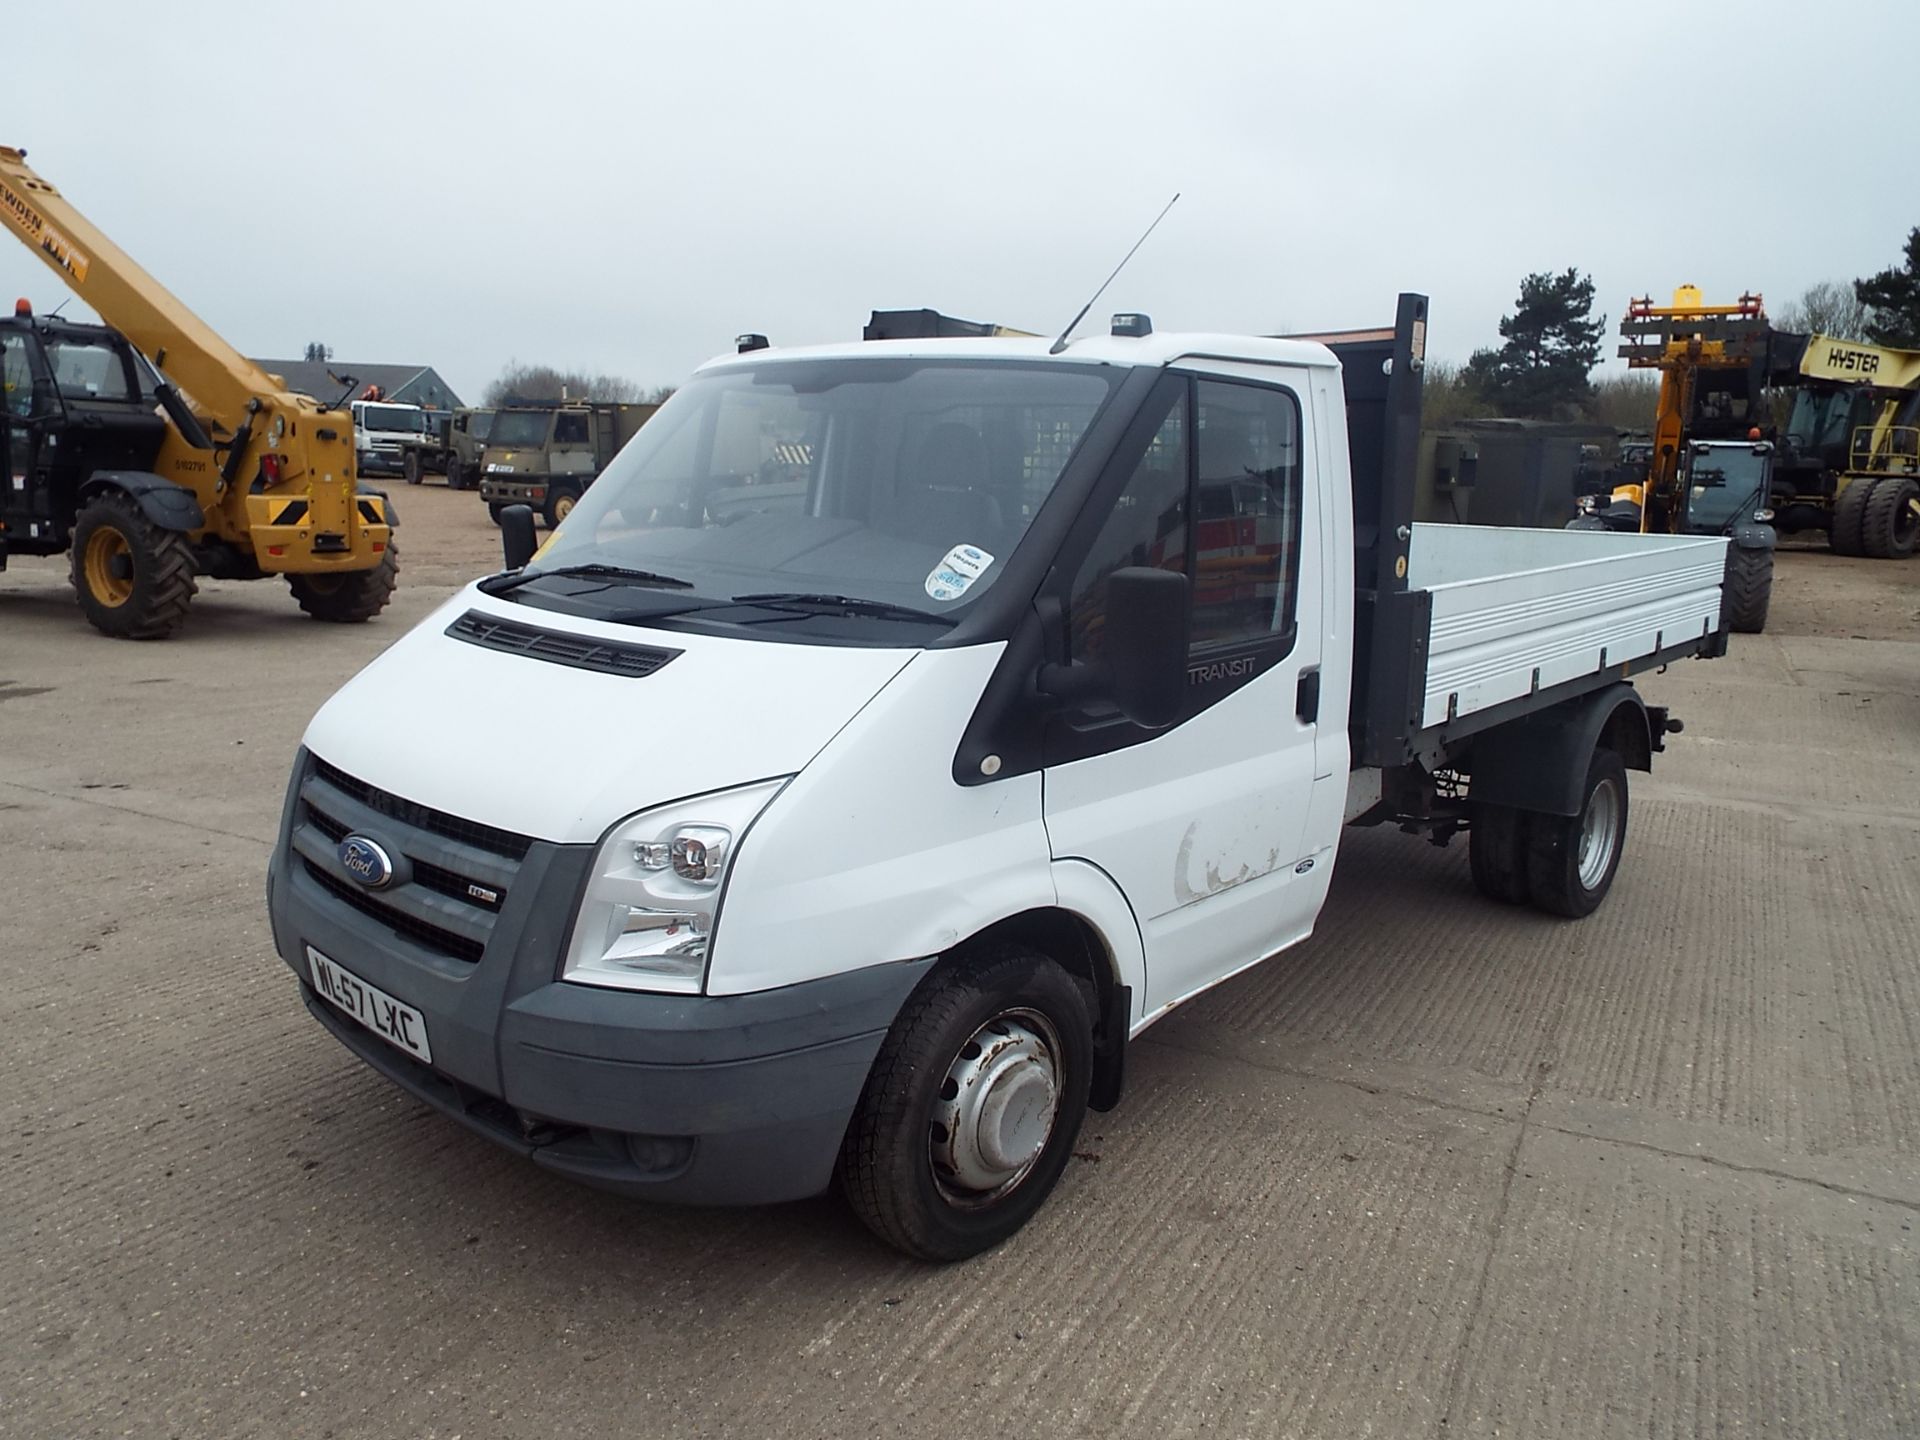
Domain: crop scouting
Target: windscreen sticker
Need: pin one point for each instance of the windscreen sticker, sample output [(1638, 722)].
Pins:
[(963, 565)]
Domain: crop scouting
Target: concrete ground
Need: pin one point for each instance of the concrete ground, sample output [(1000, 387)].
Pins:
[(1446, 1169)]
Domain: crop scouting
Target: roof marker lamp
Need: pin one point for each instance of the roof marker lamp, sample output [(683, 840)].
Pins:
[(654, 898)]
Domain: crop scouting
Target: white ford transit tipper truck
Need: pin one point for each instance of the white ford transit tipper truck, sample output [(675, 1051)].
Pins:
[(942, 713)]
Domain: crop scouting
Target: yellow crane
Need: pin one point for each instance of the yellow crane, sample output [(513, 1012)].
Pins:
[(154, 451)]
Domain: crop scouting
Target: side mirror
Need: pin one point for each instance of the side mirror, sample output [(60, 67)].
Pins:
[(1144, 668), (517, 541)]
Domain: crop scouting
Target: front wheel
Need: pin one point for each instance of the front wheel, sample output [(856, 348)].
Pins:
[(971, 1109), (1571, 859), (348, 597), (495, 509), (560, 502), (133, 578), (456, 477), (1749, 590), (1890, 524)]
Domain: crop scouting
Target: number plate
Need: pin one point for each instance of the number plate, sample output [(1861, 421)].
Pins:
[(397, 1023)]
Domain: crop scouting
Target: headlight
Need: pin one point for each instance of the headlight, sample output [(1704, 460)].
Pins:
[(650, 909), (1764, 516)]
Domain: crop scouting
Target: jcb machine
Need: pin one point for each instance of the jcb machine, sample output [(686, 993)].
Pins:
[(1709, 471), (155, 451)]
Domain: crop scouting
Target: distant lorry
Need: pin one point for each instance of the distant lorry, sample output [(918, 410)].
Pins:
[(1022, 697), (546, 457), (390, 439)]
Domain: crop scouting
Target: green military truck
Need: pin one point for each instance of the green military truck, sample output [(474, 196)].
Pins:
[(466, 444), (546, 456)]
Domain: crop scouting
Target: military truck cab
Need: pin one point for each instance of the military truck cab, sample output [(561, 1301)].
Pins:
[(546, 456)]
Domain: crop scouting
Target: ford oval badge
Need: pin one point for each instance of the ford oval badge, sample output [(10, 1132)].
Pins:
[(365, 861)]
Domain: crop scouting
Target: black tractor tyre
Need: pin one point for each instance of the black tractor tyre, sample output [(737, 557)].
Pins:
[(495, 509), (1497, 853), (134, 579), (1749, 589), (1890, 528), (348, 597), (410, 467), (967, 1010), (1846, 524), (1572, 859), (560, 500)]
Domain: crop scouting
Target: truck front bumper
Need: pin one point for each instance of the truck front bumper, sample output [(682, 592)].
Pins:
[(526, 491), (715, 1100)]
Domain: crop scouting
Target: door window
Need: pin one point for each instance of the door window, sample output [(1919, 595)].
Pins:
[(1216, 496), (16, 380), (570, 429)]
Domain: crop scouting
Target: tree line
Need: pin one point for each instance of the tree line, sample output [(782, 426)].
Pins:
[(1551, 342)]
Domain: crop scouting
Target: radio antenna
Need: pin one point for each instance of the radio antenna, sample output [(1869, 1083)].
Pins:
[(1061, 343)]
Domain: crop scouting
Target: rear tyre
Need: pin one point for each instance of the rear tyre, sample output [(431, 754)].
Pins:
[(1571, 859), (1497, 853), (1848, 519), (456, 477), (559, 504), (1749, 589), (1890, 526), (410, 467), (970, 1112), (348, 597), (133, 578)]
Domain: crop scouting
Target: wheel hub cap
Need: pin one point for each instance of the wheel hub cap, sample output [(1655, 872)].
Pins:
[(1598, 834), (997, 1107)]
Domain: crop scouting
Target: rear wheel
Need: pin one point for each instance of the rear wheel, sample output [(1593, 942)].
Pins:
[(560, 502), (133, 578), (456, 477), (1497, 853), (410, 467), (1571, 859), (348, 597), (973, 1104), (1749, 589), (1890, 526), (1845, 524)]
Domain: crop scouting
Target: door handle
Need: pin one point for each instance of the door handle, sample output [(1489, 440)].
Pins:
[(1306, 702)]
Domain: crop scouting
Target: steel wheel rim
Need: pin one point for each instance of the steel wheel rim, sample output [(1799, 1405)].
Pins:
[(562, 508), (996, 1108), (104, 547), (1599, 834)]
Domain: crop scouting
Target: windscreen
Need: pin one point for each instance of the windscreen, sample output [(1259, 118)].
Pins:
[(392, 417), (87, 370), (1724, 484), (520, 427), (906, 482)]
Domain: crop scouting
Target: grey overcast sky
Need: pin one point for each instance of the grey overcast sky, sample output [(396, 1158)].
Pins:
[(624, 187)]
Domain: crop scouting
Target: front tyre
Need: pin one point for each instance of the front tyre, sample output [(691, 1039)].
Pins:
[(1890, 521), (559, 504), (1749, 590), (972, 1107), (348, 597), (410, 467), (1571, 859), (133, 578)]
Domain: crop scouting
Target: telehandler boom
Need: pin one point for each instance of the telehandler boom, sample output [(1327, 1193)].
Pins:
[(155, 451)]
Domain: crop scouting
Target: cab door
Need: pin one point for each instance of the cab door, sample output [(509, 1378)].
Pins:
[(1208, 826)]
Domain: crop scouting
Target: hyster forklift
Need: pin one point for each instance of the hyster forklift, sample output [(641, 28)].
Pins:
[(1700, 480), (154, 451)]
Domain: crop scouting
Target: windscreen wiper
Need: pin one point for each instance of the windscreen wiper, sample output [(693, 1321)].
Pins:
[(592, 570), (804, 603)]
